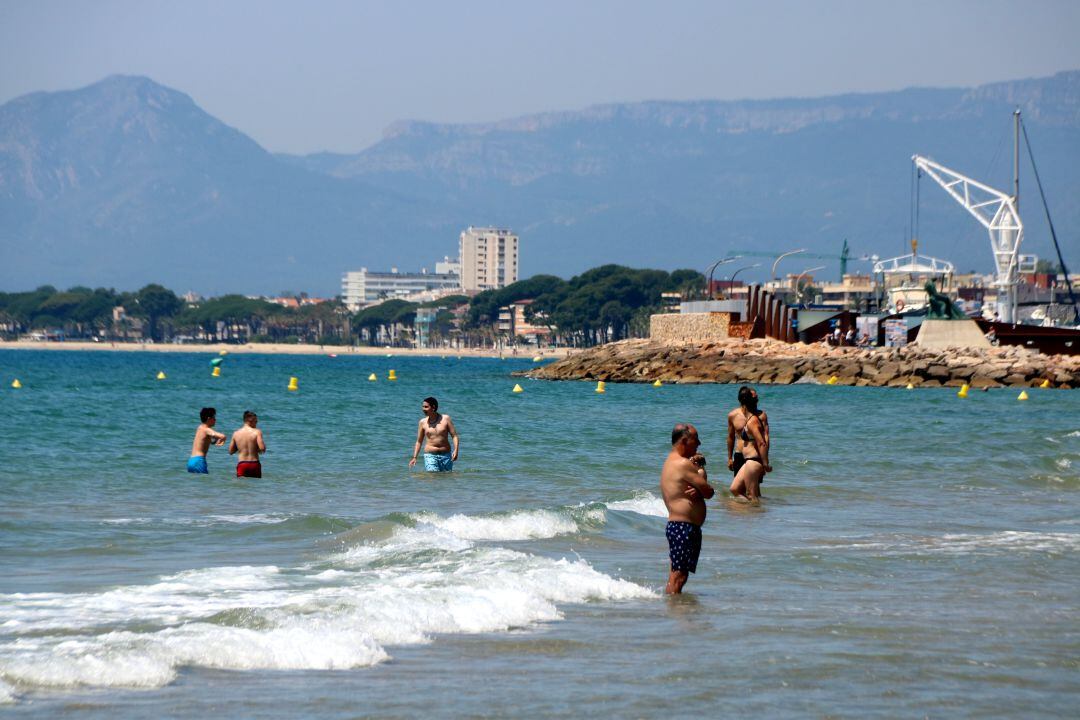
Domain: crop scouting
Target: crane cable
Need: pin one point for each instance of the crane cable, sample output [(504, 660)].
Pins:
[(1046, 209)]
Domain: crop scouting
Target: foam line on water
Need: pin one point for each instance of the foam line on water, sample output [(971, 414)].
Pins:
[(416, 583), (643, 503), (521, 525), (1007, 541)]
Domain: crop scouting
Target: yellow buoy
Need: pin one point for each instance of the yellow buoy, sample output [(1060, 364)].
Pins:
[(161, 375), (517, 389), (294, 384), (963, 391), (537, 358), (600, 386), (657, 383), (910, 386), (1045, 384), (372, 377), (833, 380), (16, 384), (392, 375), (217, 371), (223, 353), (1023, 395)]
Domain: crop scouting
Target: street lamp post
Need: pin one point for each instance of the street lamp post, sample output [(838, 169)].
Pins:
[(721, 261), (800, 276), (781, 256), (731, 280)]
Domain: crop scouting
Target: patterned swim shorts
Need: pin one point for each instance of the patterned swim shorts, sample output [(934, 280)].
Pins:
[(684, 545), (438, 462)]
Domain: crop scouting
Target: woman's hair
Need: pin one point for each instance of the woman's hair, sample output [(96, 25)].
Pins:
[(432, 402), (747, 397)]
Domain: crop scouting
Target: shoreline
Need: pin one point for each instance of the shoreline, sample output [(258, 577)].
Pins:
[(281, 349)]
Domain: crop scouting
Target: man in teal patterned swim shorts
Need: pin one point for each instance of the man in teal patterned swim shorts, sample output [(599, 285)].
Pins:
[(434, 432)]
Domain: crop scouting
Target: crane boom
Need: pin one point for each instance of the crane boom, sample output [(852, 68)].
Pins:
[(995, 211)]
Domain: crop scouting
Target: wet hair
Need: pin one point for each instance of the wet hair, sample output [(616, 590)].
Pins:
[(747, 397), (207, 413), (248, 415), (432, 402), (680, 431)]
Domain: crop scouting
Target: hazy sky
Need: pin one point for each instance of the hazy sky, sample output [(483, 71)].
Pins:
[(303, 77)]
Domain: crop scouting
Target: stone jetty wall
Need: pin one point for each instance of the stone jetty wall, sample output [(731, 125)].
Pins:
[(689, 327), (771, 361)]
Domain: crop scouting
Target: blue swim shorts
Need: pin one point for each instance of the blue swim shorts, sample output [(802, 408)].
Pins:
[(438, 462), (197, 464), (684, 545)]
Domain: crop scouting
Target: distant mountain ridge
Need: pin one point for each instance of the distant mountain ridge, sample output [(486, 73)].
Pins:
[(126, 181)]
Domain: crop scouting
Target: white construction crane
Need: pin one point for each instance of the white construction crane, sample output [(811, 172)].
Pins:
[(999, 214)]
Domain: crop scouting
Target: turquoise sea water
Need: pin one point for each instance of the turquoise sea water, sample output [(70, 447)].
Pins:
[(916, 554)]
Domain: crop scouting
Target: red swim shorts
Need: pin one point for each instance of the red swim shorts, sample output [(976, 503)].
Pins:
[(249, 468)]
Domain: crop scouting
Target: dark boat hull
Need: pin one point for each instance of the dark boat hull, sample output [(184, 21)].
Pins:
[(1047, 340)]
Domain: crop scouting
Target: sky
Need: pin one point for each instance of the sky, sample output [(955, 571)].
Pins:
[(332, 76)]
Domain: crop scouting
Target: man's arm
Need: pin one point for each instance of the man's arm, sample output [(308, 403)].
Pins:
[(698, 479), (765, 427), (232, 445), (730, 443), (453, 433), (419, 439), (218, 438), (260, 441)]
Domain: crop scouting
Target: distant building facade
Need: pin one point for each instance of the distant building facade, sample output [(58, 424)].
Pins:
[(489, 258), (363, 287)]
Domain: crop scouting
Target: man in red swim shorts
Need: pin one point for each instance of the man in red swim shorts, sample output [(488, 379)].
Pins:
[(248, 441)]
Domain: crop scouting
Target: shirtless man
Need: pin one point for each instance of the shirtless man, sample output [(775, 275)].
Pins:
[(204, 435), (248, 441), (754, 438), (434, 430), (735, 421), (684, 485)]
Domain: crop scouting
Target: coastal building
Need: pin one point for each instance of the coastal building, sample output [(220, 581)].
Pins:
[(489, 258), (363, 287), (512, 322)]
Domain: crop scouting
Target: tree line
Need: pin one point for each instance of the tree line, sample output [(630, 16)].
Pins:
[(603, 304)]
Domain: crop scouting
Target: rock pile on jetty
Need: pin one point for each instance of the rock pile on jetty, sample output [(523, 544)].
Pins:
[(771, 361)]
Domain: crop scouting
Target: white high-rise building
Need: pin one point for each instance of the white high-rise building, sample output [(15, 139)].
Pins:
[(489, 258), (363, 287)]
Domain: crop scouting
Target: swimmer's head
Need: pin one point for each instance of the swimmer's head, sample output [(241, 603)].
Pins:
[(748, 397), (208, 415), (250, 418), (684, 436), (430, 402)]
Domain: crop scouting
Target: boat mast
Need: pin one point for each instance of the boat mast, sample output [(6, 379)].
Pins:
[(1016, 158)]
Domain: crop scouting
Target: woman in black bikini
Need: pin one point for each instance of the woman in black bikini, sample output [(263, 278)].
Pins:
[(753, 440)]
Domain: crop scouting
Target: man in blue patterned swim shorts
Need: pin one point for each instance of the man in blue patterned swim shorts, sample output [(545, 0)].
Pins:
[(433, 434), (685, 487)]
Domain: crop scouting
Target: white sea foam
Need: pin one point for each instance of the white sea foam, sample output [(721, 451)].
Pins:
[(1074, 433), (1063, 463), (7, 693), (1008, 541), (417, 583), (523, 525), (642, 504), (254, 519)]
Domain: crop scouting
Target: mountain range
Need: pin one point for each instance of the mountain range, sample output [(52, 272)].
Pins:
[(127, 182)]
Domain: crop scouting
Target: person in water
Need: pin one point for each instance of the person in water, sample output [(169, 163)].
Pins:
[(248, 442), (204, 435), (434, 432), (753, 440), (736, 420), (684, 485)]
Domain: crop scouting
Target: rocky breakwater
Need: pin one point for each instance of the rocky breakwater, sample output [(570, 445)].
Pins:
[(771, 361)]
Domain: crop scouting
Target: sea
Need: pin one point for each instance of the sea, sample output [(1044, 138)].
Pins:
[(915, 554)]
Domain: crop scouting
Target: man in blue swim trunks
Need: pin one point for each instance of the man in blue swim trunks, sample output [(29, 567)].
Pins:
[(434, 432), (204, 435), (684, 485)]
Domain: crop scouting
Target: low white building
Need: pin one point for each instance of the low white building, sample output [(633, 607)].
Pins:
[(363, 287)]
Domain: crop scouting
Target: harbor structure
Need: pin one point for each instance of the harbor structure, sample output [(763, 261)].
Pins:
[(489, 258)]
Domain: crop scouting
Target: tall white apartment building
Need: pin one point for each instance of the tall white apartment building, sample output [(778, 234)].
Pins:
[(489, 258)]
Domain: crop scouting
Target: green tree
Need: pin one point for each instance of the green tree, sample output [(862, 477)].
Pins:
[(156, 303)]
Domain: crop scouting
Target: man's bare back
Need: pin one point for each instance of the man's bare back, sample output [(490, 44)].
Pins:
[(248, 442)]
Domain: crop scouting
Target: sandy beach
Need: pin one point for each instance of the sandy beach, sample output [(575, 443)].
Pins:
[(279, 349)]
